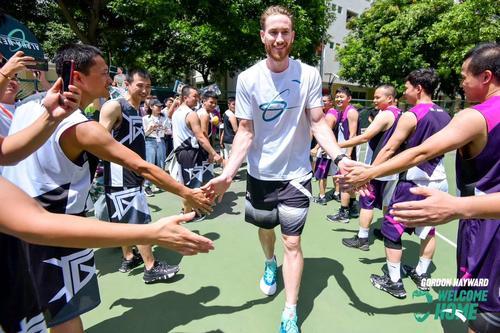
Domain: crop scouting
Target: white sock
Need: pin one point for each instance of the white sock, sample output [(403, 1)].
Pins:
[(273, 259), (363, 232), (423, 265), (289, 311), (394, 270), (321, 196)]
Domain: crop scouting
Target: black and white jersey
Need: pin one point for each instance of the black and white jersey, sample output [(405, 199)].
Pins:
[(64, 278), (130, 133), (57, 183)]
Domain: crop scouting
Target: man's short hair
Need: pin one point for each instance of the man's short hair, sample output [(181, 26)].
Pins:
[(82, 55), (140, 72), (427, 78), (328, 96), (484, 57), (275, 10), (209, 94), (186, 90), (389, 88), (231, 99), (343, 90)]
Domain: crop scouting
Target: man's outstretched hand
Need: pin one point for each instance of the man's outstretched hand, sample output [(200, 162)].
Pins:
[(171, 234)]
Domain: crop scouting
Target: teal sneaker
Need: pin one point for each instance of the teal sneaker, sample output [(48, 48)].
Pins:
[(289, 325), (268, 280)]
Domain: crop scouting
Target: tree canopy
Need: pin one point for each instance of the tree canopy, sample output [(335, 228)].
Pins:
[(394, 37), (171, 38)]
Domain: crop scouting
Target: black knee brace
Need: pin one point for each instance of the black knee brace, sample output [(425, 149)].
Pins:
[(398, 245)]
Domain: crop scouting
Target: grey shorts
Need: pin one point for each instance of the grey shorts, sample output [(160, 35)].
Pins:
[(272, 203)]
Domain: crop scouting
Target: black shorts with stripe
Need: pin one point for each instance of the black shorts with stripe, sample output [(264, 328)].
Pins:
[(272, 203)]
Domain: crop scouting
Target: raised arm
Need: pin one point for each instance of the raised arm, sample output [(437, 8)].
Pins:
[(323, 133), (18, 146), (17, 63), (382, 122)]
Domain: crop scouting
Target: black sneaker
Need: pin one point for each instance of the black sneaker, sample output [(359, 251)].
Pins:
[(378, 234), (198, 218), (320, 201), (129, 264), (149, 192), (354, 210), (418, 279), (341, 217), (160, 271), (358, 243), (384, 283)]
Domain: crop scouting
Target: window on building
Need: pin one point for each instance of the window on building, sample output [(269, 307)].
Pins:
[(350, 15), (339, 9), (331, 45), (334, 7)]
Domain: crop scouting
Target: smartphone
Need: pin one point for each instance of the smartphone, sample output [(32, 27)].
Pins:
[(67, 74)]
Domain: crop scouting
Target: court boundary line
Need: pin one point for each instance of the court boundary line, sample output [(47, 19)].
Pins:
[(446, 240)]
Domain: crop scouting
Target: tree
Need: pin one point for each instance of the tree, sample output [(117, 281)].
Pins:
[(389, 40), (171, 38), (394, 37)]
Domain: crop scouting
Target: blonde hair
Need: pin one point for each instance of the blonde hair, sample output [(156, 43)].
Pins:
[(274, 10)]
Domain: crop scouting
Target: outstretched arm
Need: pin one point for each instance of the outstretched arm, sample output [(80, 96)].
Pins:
[(94, 138), (18, 146), (440, 207), (36, 225), (241, 144)]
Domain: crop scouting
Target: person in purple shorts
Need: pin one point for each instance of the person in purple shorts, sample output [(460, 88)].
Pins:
[(414, 126), (475, 132), (348, 128), (323, 166), (377, 135)]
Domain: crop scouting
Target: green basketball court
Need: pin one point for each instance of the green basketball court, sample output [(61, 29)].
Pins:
[(219, 292)]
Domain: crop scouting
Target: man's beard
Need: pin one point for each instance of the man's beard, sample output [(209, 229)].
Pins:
[(284, 53)]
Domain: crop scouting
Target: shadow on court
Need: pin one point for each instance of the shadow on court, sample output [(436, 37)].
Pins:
[(227, 206), (168, 310)]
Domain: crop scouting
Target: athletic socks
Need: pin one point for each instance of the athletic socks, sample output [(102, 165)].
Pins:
[(394, 270), (289, 312), (423, 265), (363, 232), (351, 202)]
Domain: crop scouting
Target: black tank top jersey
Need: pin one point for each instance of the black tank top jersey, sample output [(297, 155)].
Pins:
[(130, 133)]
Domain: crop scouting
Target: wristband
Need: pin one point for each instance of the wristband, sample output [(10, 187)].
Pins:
[(6, 76), (339, 158)]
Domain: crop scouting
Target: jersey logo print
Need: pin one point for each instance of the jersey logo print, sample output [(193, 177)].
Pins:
[(135, 128), (275, 108), (34, 325), (123, 201), (199, 171), (72, 266), (55, 200)]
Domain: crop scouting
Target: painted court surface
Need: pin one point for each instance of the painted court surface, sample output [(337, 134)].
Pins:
[(219, 292)]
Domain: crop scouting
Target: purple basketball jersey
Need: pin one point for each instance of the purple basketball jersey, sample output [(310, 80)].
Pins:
[(430, 119), (478, 253)]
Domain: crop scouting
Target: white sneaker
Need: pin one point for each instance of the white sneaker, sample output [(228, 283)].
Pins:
[(268, 280)]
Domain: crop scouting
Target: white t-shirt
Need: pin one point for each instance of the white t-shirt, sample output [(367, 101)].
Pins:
[(182, 134), (276, 104), (163, 121)]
